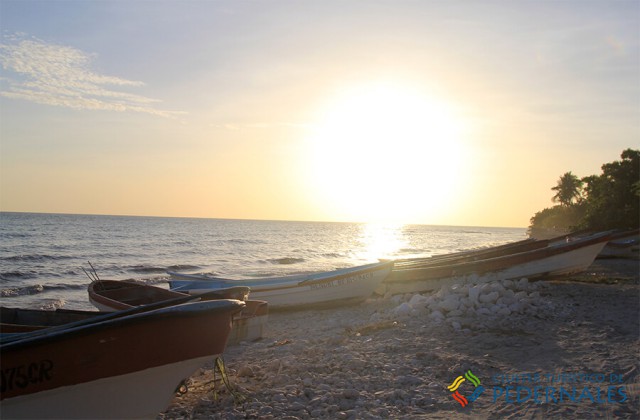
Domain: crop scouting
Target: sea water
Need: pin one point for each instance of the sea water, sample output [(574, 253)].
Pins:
[(43, 257)]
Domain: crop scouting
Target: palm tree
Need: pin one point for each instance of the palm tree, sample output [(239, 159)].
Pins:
[(569, 188)]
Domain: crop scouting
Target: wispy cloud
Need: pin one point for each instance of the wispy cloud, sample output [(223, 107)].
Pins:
[(59, 75), (242, 126)]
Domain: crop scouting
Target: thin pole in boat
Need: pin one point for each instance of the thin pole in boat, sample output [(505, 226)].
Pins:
[(93, 275)]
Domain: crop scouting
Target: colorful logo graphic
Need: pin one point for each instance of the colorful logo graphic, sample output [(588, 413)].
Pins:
[(461, 399)]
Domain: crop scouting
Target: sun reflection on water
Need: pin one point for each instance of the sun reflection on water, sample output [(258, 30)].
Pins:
[(381, 241)]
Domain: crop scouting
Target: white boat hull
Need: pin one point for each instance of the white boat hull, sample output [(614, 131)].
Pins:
[(134, 395), (356, 286)]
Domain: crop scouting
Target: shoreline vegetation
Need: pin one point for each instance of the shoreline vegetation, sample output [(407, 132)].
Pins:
[(593, 203), (572, 352)]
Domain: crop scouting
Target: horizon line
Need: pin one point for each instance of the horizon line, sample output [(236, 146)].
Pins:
[(257, 220)]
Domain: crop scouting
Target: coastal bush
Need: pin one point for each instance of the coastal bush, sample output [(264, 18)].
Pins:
[(595, 203)]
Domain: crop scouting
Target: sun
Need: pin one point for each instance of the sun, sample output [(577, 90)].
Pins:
[(386, 153)]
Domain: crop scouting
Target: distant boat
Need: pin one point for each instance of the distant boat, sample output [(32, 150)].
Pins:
[(323, 289), (125, 364), (113, 295), (554, 258)]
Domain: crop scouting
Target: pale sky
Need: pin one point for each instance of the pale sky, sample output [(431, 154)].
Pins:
[(433, 112)]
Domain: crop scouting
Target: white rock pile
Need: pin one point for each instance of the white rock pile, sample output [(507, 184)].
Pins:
[(473, 305)]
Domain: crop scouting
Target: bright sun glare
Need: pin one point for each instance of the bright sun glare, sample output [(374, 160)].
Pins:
[(384, 153)]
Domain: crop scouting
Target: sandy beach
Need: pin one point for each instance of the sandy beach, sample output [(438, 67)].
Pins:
[(564, 348)]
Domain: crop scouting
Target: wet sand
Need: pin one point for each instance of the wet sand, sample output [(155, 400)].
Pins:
[(571, 350)]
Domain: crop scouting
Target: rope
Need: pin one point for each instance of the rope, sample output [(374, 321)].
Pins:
[(238, 398)]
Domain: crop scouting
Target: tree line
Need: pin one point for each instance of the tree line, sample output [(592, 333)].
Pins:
[(607, 201)]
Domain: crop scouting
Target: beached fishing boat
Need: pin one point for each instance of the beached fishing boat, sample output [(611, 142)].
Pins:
[(622, 245), (330, 288), (471, 255), (114, 295), (125, 364), (557, 258)]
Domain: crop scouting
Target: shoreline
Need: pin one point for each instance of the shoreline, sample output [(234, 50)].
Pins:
[(376, 360)]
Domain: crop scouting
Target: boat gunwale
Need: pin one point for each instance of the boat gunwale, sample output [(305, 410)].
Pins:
[(119, 319), (321, 278)]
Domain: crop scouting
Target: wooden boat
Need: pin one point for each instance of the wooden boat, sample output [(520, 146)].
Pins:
[(330, 288), (472, 255), (622, 245), (113, 295), (556, 259), (125, 364)]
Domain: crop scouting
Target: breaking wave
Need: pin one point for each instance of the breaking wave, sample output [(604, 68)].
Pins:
[(22, 291), (286, 261)]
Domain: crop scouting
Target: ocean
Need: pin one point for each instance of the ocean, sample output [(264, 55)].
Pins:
[(43, 256)]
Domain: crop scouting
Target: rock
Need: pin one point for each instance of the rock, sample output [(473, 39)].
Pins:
[(246, 372), (506, 300), (520, 295), (495, 308), (404, 310), (333, 408), (504, 311), (418, 301), (397, 299), (483, 311), (455, 313), (297, 406), (450, 303), (460, 289), (467, 321), (473, 278), (275, 366), (465, 302), (497, 287), (346, 404), (281, 380), (279, 398), (489, 297), (409, 380), (443, 292), (436, 316), (350, 393), (516, 307), (485, 288), (522, 284)]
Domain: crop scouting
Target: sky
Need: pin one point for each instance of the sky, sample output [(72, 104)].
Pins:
[(431, 112)]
